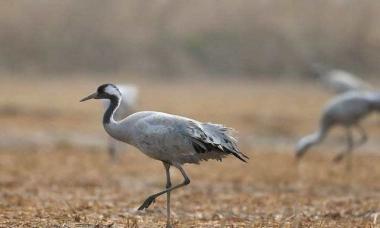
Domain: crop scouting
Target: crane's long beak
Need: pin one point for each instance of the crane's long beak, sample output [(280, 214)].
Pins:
[(92, 96)]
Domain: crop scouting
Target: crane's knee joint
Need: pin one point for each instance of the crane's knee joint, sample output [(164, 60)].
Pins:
[(187, 181), (168, 185)]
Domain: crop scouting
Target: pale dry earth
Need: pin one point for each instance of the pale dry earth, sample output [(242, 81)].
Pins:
[(54, 171)]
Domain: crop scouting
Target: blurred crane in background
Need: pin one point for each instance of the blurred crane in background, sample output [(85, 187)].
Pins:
[(344, 110), (337, 80), (173, 140), (128, 103)]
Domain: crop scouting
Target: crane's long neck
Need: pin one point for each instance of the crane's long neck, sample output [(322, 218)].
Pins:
[(116, 129), (308, 141), (113, 106)]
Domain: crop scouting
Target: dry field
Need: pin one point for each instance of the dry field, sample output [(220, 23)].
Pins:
[(54, 171)]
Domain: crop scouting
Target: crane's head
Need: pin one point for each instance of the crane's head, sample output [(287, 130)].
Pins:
[(105, 91)]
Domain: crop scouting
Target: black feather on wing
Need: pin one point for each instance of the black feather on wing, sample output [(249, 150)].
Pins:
[(209, 137)]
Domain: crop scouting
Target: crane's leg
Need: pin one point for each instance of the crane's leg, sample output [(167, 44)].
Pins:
[(151, 198), (363, 136), (168, 185), (112, 149), (350, 147), (347, 151)]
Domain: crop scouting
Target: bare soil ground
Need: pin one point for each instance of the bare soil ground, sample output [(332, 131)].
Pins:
[(64, 184)]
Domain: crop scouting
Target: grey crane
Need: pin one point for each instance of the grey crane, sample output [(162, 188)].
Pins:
[(337, 80), (345, 110), (173, 140), (129, 94)]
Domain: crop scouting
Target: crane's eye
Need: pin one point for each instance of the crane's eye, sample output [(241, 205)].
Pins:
[(101, 90)]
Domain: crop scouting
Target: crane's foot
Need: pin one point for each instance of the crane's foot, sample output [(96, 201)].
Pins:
[(168, 225), (147, 203)]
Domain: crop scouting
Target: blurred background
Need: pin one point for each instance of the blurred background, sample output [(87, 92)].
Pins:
[(259, 66), (178, 38)]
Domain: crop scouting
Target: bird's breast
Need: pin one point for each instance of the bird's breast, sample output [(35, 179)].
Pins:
[(119, 132)]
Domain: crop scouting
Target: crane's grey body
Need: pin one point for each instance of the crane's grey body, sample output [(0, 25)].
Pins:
[(129, 94), (172, 139), (341, 81), (345, 110), (337, 80), (349, 108)]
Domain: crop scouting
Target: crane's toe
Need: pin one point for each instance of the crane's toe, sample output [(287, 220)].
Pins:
[(147, 203)]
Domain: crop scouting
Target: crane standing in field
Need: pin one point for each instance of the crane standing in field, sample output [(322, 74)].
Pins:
[(337, 80), (171, 139), (129, 94), (345, 110)]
